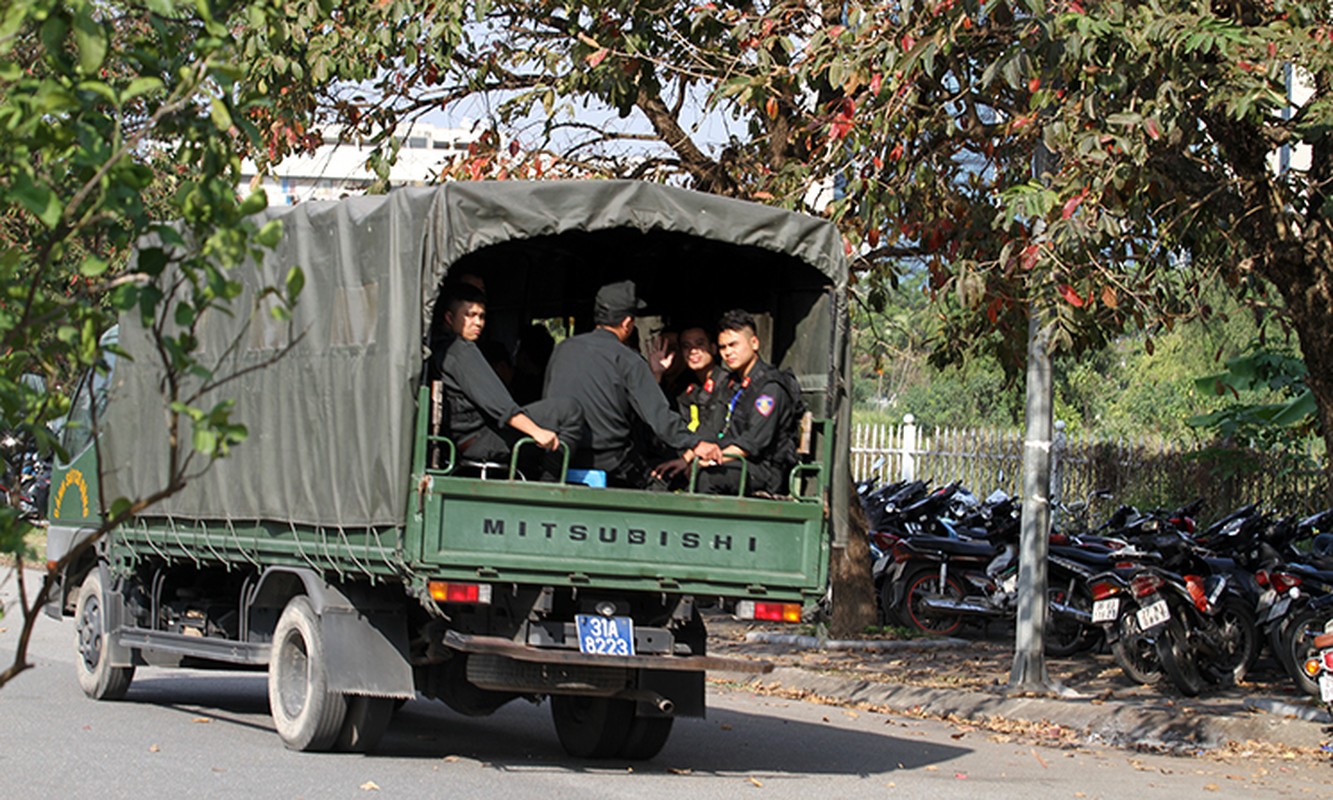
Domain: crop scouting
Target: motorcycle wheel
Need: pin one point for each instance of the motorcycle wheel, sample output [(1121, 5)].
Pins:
[(1178, 659), (1134, 652), (1066, 636), (1238, 637), (1297, 644), (912, 614)]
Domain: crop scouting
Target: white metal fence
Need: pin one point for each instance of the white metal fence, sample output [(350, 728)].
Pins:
[(1146, 471)]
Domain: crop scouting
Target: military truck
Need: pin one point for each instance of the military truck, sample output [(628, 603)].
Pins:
[(345, 548)]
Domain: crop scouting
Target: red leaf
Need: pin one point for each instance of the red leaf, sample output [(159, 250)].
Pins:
[(876, 81), (1034, 84), (771, 106), (1152, 128), (836, 31), (1029, 259), (1071, 205), (872, 237), (1070, 296), (896, 153), (596, 58), (1272, 49)]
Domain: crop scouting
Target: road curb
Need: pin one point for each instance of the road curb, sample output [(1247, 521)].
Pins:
[(872, 645), (1157, 725)]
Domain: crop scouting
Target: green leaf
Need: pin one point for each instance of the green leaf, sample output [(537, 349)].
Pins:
[(295, 283), (221, 116), (91, 39), (205, 441), (270, 234), (256, 202), (92, 267), (38, 199), (141, 86)]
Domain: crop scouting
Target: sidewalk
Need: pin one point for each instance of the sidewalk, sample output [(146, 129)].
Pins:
[(967, 680)]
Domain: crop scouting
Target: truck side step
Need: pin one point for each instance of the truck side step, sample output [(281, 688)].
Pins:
[(225, 650)]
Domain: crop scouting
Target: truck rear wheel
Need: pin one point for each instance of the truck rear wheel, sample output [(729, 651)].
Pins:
[(365, 723), (98, 679), (306, 714), (592, 727), (646, 738)]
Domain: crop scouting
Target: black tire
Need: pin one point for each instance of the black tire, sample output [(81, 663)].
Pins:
[(1066, 636), (1238, 637), (924, 581), (1177, 657), (592, 727), (646, 738), (364, 724), (307, 716), (98, 679), (1297, 644), (1134, 652)]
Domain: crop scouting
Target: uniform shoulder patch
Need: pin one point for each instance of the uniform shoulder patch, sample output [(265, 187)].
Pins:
[(764, 404)]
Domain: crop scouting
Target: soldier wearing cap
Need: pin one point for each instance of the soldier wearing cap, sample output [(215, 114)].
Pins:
[(613, 385)]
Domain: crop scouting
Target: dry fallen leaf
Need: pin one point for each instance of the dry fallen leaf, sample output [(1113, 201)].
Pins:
[(451, 759), (370, 786), (725, 727), (957, 735), (932, 768), (202, 720), (960, 776), (154, 749), (1210, 787), (679, 771), (757, 782)]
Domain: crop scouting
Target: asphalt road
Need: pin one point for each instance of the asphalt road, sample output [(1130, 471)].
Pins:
[(208, 735)]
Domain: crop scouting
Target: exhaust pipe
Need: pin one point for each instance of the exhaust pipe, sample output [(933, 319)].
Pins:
[(963, 606), (1066, 610), (663, 705)]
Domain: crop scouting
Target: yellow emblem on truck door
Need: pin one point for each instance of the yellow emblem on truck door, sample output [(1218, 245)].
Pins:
[(72, 478)]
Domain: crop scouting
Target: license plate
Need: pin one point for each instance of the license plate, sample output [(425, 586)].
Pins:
[(606, 636), (1150, 616), (1326, 687), (1106, 610)]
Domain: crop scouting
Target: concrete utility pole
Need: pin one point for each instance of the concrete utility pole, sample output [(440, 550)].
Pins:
[(1029, 672)]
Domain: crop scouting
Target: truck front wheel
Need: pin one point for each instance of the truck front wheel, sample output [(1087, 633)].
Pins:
[(592, 727), (98, 679), (306, 714)]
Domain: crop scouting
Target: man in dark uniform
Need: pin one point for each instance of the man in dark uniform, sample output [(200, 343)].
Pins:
[(757, 408), (483, 419), (613, 385)]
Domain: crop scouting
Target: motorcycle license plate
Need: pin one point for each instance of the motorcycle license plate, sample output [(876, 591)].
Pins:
[(1106, 610), (1326, 687), (1150, 616), (607, 636)]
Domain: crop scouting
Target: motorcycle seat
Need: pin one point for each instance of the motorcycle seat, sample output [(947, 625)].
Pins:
[(956, 547)]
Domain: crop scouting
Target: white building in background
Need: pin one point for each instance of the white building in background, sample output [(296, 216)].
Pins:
[(336, 169)]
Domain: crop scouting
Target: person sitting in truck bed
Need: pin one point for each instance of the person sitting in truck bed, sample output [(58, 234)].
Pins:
[(613, 385), (482, 418), (758, 415)]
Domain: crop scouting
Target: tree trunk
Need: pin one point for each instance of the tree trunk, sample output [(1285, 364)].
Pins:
[(1029, 670), (1306, 285), (849, 575)]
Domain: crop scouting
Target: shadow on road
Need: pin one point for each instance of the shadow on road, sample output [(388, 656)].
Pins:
[(521, 736)]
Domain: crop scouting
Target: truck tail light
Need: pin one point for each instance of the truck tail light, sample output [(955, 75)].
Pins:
[(768, 612), (445, 592)]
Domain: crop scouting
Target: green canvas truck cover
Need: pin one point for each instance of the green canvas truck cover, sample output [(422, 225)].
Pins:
[(331, 424)]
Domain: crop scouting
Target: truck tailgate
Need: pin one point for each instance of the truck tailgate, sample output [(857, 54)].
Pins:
[(617, 538)]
